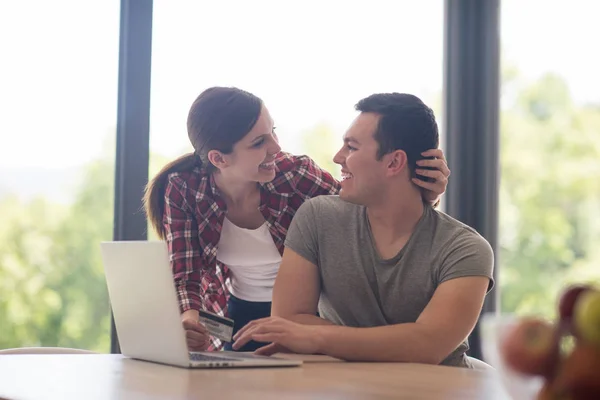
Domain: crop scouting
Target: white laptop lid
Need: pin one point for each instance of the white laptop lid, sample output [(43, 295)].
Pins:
[(144, 301)]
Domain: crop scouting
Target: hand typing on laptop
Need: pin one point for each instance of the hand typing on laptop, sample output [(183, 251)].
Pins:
[(196, 335), (283, 334)]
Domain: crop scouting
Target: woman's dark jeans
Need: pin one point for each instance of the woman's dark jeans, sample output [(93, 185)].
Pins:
[(242, 312)]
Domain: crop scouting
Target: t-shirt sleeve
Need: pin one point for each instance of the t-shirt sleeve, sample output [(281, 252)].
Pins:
[(302, 234), (470, 255)]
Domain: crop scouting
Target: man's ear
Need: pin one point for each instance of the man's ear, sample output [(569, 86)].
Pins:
[(217, 159), (397, 162)]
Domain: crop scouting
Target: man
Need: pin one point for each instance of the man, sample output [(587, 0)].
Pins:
[(393, 279)]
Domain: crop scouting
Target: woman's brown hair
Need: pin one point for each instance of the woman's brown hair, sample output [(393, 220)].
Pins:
[(217, 120)]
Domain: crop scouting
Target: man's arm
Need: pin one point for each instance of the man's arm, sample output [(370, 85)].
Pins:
[(446, 321), (296, 290)]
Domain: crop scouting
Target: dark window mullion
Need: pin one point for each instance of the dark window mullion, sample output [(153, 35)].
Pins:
[(133, 125)]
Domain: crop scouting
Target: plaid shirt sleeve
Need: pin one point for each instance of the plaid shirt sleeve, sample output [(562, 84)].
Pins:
[(184, 246), (310, 180)]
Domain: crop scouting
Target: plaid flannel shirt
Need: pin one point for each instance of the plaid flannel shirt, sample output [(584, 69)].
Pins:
[(193, 218)]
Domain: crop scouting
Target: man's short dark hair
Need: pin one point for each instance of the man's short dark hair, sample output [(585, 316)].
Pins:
[(405, 123)]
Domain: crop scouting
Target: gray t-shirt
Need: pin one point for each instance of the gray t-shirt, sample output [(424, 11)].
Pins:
[(359, 288)]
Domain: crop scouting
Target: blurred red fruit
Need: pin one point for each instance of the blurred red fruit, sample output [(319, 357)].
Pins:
[(531, 347), (579, 374)]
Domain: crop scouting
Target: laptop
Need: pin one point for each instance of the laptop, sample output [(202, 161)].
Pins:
[(146, 310)]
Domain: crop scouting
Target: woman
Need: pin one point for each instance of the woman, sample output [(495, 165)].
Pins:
[(224, 209)]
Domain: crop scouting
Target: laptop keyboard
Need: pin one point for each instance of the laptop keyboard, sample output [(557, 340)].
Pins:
[(206, 357)]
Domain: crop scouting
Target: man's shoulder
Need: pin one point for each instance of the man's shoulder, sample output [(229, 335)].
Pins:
[(461, 250), (326, 211), (330, 205), (456, 233)]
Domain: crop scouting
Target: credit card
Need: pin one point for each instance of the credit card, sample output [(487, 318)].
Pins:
[(217, 326)]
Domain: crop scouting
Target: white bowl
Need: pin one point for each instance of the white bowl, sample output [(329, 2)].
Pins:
[(493, 329)]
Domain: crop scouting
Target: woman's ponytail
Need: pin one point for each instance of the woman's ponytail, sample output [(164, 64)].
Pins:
[(154, 195)]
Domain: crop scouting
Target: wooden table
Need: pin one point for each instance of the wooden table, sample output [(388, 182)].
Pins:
[(109, 376)]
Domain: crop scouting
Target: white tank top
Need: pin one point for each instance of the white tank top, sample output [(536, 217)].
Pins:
[(252, 258)]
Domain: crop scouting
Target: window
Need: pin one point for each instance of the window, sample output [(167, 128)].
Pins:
[(59, 92), (310, 62), (550, 152)]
